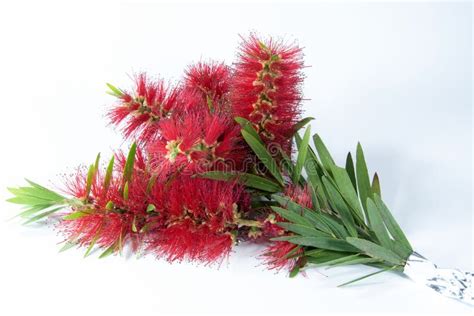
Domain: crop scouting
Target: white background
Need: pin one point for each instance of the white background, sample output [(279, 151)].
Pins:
[(395, 76)]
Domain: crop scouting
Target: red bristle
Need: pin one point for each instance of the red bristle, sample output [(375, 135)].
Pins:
[(266, 88)]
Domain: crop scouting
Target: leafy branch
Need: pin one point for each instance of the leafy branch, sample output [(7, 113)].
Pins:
[(348, 223)]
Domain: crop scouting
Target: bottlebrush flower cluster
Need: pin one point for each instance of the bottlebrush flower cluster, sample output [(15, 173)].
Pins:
[(153, 198)]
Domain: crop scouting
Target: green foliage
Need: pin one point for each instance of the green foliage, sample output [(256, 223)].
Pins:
[(38, 201), (116, 92), (264, 156), (128, 169), (250, 180), (348, 223)]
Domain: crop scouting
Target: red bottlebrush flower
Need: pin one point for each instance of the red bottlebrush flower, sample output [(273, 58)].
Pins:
[(187, 240), (266, 88), (300, 195), (198, 142), (111, 211), (101, 228), (139, 112), (201, 220), (276, 256), (210, 82)]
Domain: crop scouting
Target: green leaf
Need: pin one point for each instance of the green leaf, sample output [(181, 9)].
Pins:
[(263, 155), (114, 91), (302, 123), (293, 253), (356, 260), (110, 250), (248, 127), (366, 276), (339, 259), (96, 163), (27, 213), (90, 178), (108, 174), (294, 271), (348, 192), (75, 215), (291, 216), (134, 224), (289, 166), (314, 171), (351, 171), (363, 181), (91, 245), (334, 225), (36, 191), (391, 223), (376, 185), (302, 152), (53, 195), (125, 191), (375, 251), (377, 225), (67, 245), (337, 202), (109, 206), (323, 152), (30, 200), (302, 230), (246, 179), (151, 183), (150, 208), (128, 169), (42, 215), (323, 243), (317, 220)]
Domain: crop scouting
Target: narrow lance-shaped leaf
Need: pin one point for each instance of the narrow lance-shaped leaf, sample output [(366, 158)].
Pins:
[(128, 169), (375, 251), (351, 171), (108, 173), (391, 223), (302, 123), (355, 260), (291, 216), (90, 179), (302, 230), (248, 127), (340, 207), (346, 189), (42, 215), (96, 164), (263, 155), (125, 191), (116, 92), (151, 183), (377, 225), (75, 215), (363, 181), (367, 276), (250, 180), (376, 185), (323, 152), (311, 166), (110, 250), (323, 243), (92, 244), (302, 152)]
